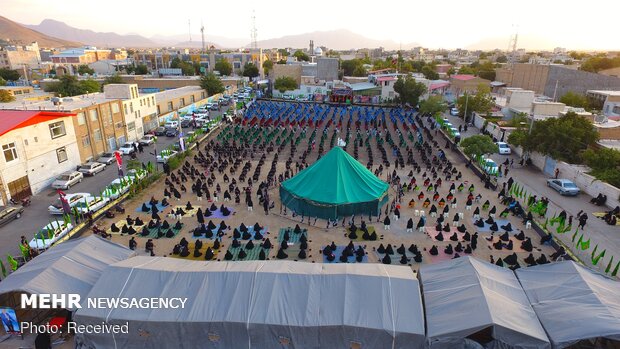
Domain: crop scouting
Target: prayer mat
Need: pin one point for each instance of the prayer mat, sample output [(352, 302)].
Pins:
[(263, 232), (218, 214), (188, 213), (160, 208), (359, 233), (338, 253), (431, 232), (516, 244), (203, 250), (602, 214), (487, 227), (252, 255), (293, 238), (120, 224)]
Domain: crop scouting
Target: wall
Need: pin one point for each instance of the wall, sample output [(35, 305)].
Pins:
[(327, 69), (528, 76), (110, 122), (519, 98), (609, 132), (577, 81), (292, 70), (38, 159), (547, 108)]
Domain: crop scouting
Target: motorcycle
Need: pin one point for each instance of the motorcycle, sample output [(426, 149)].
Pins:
[(25, 202)]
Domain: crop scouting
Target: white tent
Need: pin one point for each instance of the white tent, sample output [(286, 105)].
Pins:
[(573, 303), (260, 304), (70, 267), (468, 297)]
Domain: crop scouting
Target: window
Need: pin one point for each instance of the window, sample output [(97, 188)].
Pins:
[(119, 125), (170, 106), (153, 100), (61, 154), (141, 103), (148, 102), (131, 107), (139, 114), (158, 110), (115, 108), (97, 134), (182, 101), (125, 106), (192, 99), (616, 109), (10, 153), (86, 141), (57, 129), (25, 141), (131, 126), (81, 118), (94, 114), (203, 95)]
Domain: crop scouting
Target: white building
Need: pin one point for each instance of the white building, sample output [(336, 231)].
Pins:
[(610, 101), (36, 146), (135, 107)]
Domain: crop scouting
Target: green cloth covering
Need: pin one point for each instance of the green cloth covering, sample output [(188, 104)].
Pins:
[(335, 186)]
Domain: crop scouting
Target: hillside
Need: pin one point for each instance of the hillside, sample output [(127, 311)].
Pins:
[(340, 39), (16, 33)]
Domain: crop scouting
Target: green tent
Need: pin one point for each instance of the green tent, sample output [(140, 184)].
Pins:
[(335, 186)]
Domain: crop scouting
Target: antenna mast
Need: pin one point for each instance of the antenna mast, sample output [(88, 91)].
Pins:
[(202, 32), (189, 29), (254, 31), (512, 46)]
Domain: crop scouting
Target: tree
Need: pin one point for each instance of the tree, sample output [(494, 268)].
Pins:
[(283, 52), (481, 102), (451, 71), (478, 145), (360, 71), (267, 66), (89, 86), (563, 138), (224, 67), (9, 74), (114, 79), (250, 70), (285, 83), (573, 99), (605, 164), (429, 72), (212, 84), (6, 96), (353, 67), (409, 90), (69, 85), (433, 105), (466, 70), (141, 69), (187, 68), (486, 70), (501, 59), (84, 69), (2, 82), (301, 56)]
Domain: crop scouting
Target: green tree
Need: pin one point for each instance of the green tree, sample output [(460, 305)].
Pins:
[(433, 105), (250, 70), (267, 66), (212, 84), (283, 52), (605, 164), (141, 69), (429, 72), (285, 83), (478, 145), (360, 71), (576, 100), (6, 96), (282, 61), (89, 86), (2, 82), (224, 67), (85, 69), (353, 67), (481, 102), (451, 71), (69, 85), (501, 59), (187, 68), (301, 56), (114, 79), (9, 74), (409, 91), (486, 70), (563, 138), (467, 70)]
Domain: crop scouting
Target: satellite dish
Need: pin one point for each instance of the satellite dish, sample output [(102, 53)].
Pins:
[(600, 119)]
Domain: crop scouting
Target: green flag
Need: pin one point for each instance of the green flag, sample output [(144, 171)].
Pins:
[(585, 245), (596, 259), (580, 240), (25, 252), (12, 262), (594, 251), (615, 272), (575, 235), (609, 265), (3, 269)]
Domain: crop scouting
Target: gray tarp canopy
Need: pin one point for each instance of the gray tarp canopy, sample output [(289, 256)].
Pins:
[(70, 267), (572, 302), (260, 304), (464, 296)]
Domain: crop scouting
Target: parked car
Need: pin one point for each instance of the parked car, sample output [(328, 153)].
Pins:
[(489, 166), (224, 101), (72, 199), (10, 213), (185, 123), (503, 148), (563, 186), (139, 174), (117, 188), (172, 132), (454, 112), (127, 149), (67, 180), (455, 132), (91, 204), (91, 168), (106, 158), (171, 124), (148, 140), (49, 234), (160, 131), (164, 155), (212, 106)]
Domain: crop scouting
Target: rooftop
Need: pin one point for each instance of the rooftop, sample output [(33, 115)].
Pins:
[(605, 92), (68, 103), (14, 119), (463, 77), (609, 143), (177, 92)]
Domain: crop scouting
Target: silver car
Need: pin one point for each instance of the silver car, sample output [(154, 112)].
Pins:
[(91, 168), (67, 179), (106, 158), (563, 186)]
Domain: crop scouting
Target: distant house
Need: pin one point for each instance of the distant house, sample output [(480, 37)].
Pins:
[(462, 83)]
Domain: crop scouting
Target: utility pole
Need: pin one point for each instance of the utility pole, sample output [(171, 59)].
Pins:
[(254, 31), (189, 29), (466, 102), (202, 32)]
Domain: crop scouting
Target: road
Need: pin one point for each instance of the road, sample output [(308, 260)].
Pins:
[(36, 215), (535, 181)]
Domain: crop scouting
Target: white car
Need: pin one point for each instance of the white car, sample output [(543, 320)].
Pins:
[(148, 140), (454, 112), (67, 179), (91, 204), (49, 234), (127, 149), (164, 155), (106, 158), (489, 166), (455, 131), (91, 168), (73, 199), (117, 188), (171, 124), (503, 148), (133, 174)]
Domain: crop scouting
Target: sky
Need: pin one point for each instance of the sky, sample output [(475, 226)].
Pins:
[(433, 24)]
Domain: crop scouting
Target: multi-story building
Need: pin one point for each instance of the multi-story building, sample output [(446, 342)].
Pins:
[(461, 83), (20, 57), (178, 100), (137, 109), (36, 147), (607, 101)]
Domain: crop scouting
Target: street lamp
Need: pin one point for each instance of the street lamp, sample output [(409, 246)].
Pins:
[(466, 102)]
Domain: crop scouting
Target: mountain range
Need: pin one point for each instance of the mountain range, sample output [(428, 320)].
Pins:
[(340, 39), (14, 32)]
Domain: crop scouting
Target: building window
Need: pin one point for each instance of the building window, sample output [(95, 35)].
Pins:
[(141, 103), (25, 142), (158, 110), (182, 101), (94, 115), (192, 99), (115, 108), (170, 107), (119, 125), (61, 154), (81, 118), (153, 100), (131, 126), (125, 106), (131, 107), (139, 114), (148, 102), (97, 134), (203, 95), (10, 153), (86, 141), (57, 129)]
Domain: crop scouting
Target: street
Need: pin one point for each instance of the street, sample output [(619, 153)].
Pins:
[(36, 215)]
